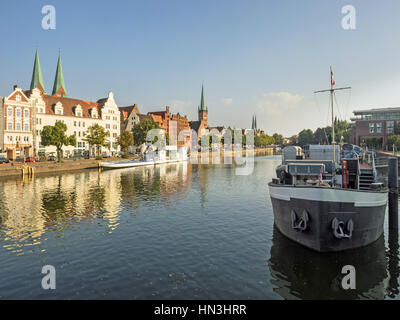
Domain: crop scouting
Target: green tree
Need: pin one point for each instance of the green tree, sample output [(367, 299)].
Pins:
[(263, 140), (56, 136), (140, 130), (394, 140), (320, 136), (306, 136), (125, 140), (278, 139), (97, 136)]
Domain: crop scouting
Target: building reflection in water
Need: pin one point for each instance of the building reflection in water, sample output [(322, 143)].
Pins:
[(300, 273), (28, 208)]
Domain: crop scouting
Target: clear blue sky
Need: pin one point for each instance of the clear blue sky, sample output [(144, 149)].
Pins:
[(254, 56)]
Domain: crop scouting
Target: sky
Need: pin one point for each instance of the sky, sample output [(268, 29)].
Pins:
[(263, 57)]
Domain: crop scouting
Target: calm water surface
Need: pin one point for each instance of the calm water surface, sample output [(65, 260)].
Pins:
[(176, 231)]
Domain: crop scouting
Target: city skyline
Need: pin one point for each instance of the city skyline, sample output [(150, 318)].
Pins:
[(157, 54)]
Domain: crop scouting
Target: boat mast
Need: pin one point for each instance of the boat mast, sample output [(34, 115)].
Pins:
[(332, 91), (333, 121)]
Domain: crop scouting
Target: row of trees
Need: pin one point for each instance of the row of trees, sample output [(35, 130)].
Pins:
[(96, 136), (57, 136), (322, 135)]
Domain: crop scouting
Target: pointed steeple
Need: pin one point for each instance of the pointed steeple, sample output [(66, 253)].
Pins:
[(37, 78), (252, 122), (59, 85), (202, 106), (255, 122)]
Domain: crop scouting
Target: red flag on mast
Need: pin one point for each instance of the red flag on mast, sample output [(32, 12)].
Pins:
[(332, 80)]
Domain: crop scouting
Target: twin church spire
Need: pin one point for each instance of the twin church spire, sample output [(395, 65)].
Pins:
[(254, 123), (37, 78)]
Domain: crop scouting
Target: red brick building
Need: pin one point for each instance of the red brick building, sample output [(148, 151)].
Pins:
[(373, 127)]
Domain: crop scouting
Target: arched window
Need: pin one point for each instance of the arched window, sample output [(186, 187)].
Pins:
[(10, 112), (26, 114), (18, 113)]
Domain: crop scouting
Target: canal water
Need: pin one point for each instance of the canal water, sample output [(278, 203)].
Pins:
[(177, 231)]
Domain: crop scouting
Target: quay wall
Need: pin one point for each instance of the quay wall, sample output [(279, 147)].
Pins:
[(13, 170)]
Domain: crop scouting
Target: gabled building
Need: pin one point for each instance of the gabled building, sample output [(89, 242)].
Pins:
[(16, 124), (129, 117), (165, 120), (24, 114)]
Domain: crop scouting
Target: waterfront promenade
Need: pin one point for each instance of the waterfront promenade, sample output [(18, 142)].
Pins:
[(47, 167)]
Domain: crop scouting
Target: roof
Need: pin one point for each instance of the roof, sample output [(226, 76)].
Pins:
[(195, 125), (37, 77), (202, 106), (377, 110), (68, 105), (145, 117), (59, 84), (127, 111)]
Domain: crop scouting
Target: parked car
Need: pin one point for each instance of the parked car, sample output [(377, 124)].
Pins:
[(51, 158), (30, 159), (3, 160), (19, 160)]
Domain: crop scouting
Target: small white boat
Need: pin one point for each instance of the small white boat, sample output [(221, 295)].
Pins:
[(151, 160)]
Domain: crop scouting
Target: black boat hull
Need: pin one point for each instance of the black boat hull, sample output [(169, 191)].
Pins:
[(326, 219)]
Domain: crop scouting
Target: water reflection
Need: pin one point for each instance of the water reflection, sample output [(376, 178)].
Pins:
[(300, 273), (30, 207)]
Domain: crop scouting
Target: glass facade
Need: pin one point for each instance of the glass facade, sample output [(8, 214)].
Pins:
[(389, 115)]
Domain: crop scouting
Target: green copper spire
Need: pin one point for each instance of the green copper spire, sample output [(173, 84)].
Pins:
[(59, 85), (202, 106), (37, 78)]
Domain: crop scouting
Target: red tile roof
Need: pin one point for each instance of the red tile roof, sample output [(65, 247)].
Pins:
[(69, 105)]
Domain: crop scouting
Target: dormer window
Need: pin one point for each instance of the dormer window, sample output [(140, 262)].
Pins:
[(94, 113), (78, 111), (58, 109)]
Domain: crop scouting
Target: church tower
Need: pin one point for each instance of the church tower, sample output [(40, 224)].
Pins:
[(203, 112), (59, 85), (37, 77)]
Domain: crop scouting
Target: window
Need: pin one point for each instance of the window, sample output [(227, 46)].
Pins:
[(114, 135), (18, 98), (26, 113), (107, 126), (83, 124), (18, 113), (26, 126), (371, 127), (115, 126), (9, 112), (9, 126), (389, 127), (379, 127), (18, 126)]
